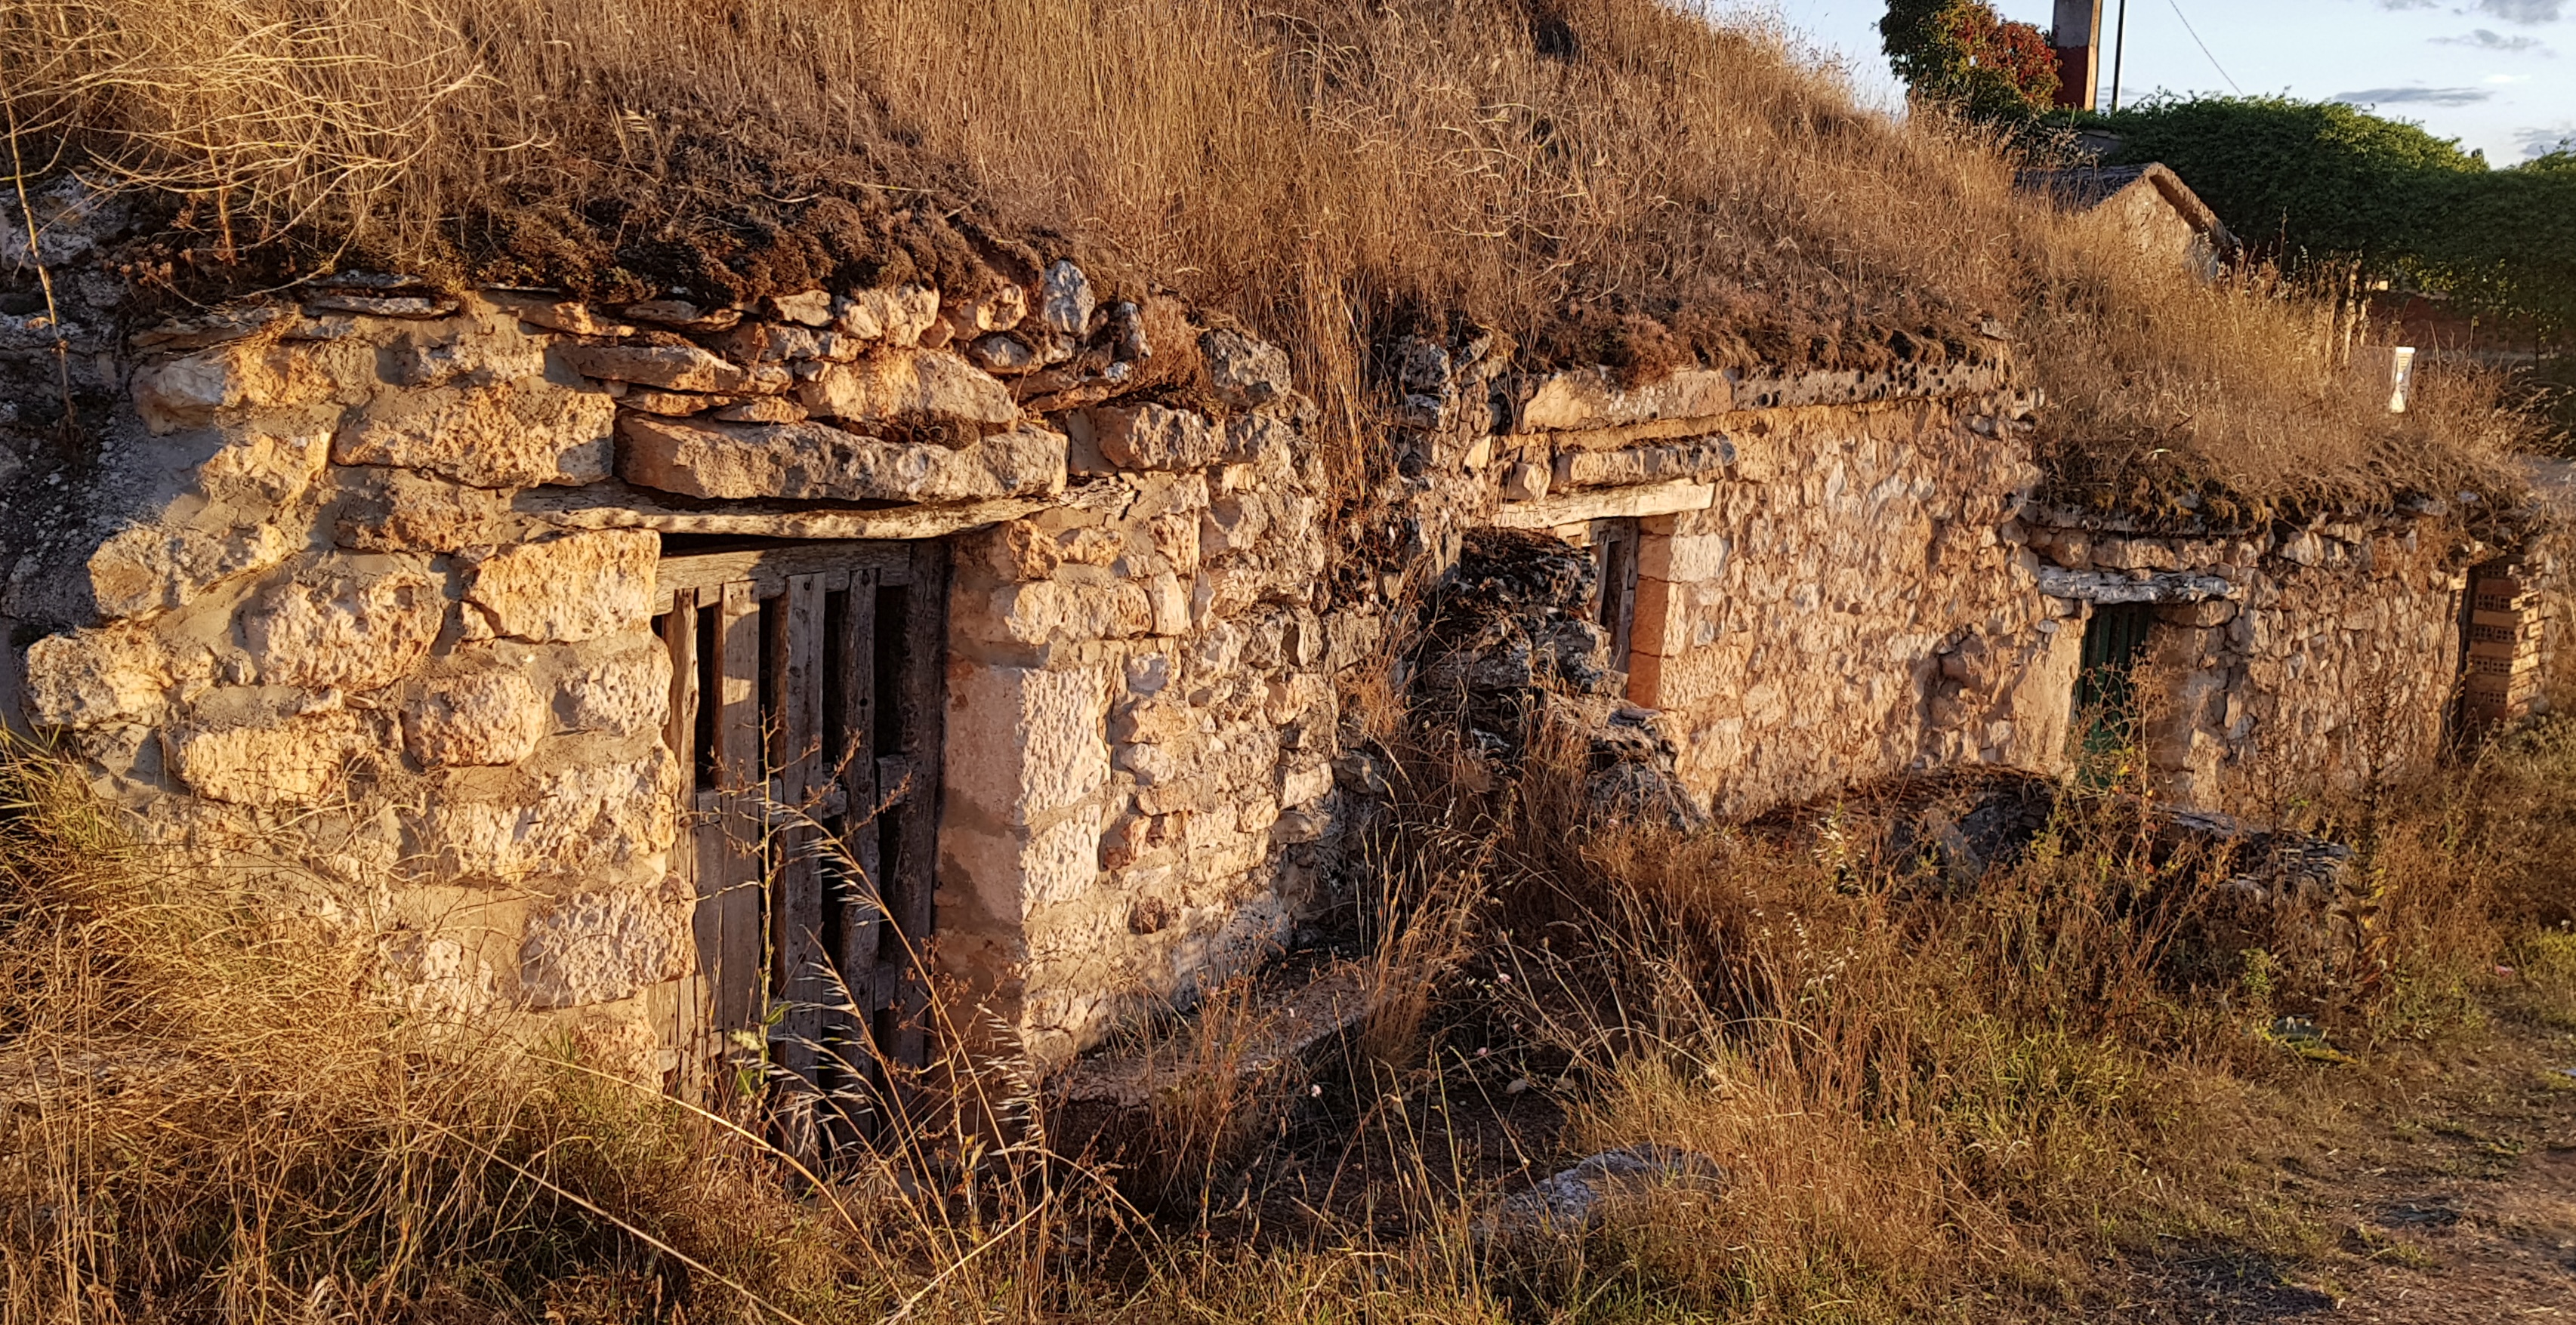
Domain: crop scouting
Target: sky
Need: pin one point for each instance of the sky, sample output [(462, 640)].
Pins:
[(2499, 75)]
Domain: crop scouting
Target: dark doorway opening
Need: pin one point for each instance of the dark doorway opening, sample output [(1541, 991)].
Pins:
[(1614, 561), (2106, 700)]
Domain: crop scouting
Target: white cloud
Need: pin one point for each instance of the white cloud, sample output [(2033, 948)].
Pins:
[(2525, 11), (2487, 39), (2541, 142), (2414, 96)]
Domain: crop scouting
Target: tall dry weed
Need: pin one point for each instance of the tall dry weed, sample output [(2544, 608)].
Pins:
[(1603, 180)]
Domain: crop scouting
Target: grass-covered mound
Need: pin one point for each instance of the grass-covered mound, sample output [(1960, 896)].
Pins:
[(1604, 180)]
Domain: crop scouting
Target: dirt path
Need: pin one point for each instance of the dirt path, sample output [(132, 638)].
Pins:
[(2448, 1190)]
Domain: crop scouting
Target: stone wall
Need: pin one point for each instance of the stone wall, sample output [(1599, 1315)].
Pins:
[(354, 595), (2283, 662), (1829, 587)]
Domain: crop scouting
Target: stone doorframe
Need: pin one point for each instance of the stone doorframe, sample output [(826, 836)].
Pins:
[(806, 714)]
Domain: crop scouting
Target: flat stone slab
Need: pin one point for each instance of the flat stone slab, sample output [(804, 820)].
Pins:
[(618, 506), (817, 462)]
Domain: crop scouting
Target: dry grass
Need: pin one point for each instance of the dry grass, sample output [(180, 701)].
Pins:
[(1604, 180), (1935, 1095)]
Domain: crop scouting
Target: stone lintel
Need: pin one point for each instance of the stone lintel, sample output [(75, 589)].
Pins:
[(1587, 403), (1606, 504), (2104, 587), (618, 506)]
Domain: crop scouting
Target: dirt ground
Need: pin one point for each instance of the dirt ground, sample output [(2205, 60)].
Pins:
[(2446, 1182)]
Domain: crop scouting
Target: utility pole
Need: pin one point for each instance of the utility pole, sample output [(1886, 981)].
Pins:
[(2119, 51)]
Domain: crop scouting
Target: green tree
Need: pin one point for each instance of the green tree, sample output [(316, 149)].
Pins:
[(1961, 53)]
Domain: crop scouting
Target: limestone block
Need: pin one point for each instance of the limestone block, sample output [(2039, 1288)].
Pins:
[(1093, 546), (813, 308), (1235, 522), (999, 309), (295, 760), (1175, 535), (1683, 558), (462, 350), (1065, 300), (502, 435), (265, 468), (1700, 459), (620, 685), (898, 315), (909, 386), (572, 821), (196, 389), (671, 367), (1148, 673), (1156, 437), (1051, 611), (598, 947), (156, 567), (1246, 373), (92, 678), (1303, 787), (1023, 743), (401, 510), (1169, 601), (1011, 872), (2133, 554), (576, 587), (1221, 592), (1606, 504), (435, 974), (1592, 398), (553, 314), (1662, 617), (490, 716), (1527, 482), (998, 353), (354, 631), (816, 462), (1166, 720)]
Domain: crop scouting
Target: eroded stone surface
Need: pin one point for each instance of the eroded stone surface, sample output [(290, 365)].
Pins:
[(1247, 373), (506, 435), (816, 462), (91, 678), (620, 686), (293, 761), (562, 823), (1156, 437), (487, 716), (575, 587), (398, 510), (197, 389), (1592, 398), (352, 630), (909, 386), (154, 568), (673, 367), (597, 947)]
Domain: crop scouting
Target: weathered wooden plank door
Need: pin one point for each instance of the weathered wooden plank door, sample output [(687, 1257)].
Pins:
[(805, 701)]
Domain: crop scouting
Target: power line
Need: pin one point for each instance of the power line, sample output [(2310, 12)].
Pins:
[(2204, 47)]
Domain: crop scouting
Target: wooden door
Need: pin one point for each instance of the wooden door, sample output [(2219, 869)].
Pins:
[(805, 700)]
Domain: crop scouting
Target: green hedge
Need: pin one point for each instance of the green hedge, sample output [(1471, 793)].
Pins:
[(2306, 181)]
